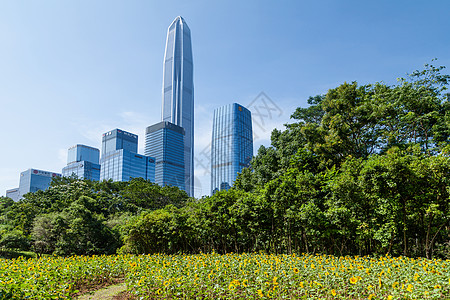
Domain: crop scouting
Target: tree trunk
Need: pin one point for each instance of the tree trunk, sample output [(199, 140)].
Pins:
[(391, 243), (427, 239), (405, 240), (305, 241)]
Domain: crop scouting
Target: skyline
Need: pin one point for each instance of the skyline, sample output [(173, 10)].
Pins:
[(72, 71)]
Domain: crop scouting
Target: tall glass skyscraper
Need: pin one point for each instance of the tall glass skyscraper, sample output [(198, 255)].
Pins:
[(83, 161), (120, 161), (232, 144), (178, 91), (165, 142)]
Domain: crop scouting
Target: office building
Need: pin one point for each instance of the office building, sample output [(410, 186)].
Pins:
[(165, 142), (83, 162), (123, 165), (232, 144), (13, 194), (31, 181), (120, 160), (178, 91), (118, 139)]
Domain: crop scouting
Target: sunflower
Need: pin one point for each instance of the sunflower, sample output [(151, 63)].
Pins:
[(353, 280), (260, 293)]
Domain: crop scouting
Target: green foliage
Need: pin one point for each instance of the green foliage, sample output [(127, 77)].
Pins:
[(373, 153), (152, 232), (147, 195), (363, 170), (312, 114), (14, 240), (80, 216), (5, 203), (75, 230)]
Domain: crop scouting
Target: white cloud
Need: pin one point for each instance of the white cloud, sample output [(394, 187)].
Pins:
[(62, 156), (133, 118), (93, 131), (131, 121), (136, 122)]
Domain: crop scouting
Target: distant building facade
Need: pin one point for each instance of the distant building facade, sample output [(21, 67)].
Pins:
[(120, 160), (232, 145), (13, 194), (84, 162), (165, 142), (31, 180)]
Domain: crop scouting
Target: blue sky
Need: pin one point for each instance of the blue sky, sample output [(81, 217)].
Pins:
[(72, 70)]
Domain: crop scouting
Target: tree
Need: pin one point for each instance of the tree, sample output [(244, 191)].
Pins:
[(148, 195), (152, 232), (5, 203), (15, 240), (84, 231), (264, 167), (432, 210), (43, 233), (314, 113)]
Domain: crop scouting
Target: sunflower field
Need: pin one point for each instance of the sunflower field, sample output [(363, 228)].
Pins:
[(230, 276)]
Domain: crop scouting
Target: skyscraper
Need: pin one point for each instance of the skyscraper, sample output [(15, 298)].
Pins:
[(119, 139), (165, 142), (232, 144), (178, 91), (83, 161), (120, 160), (83, 153)]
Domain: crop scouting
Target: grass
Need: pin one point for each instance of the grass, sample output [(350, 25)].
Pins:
[(11, 253)]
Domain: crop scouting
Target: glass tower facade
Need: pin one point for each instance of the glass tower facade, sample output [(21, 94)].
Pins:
[(232, 144), (120, 161), (82, 170), (83, 161), (123, 165), (83, 153), (13, 194), (165, 142), (118, 139), (178, 91), (31, 181)]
